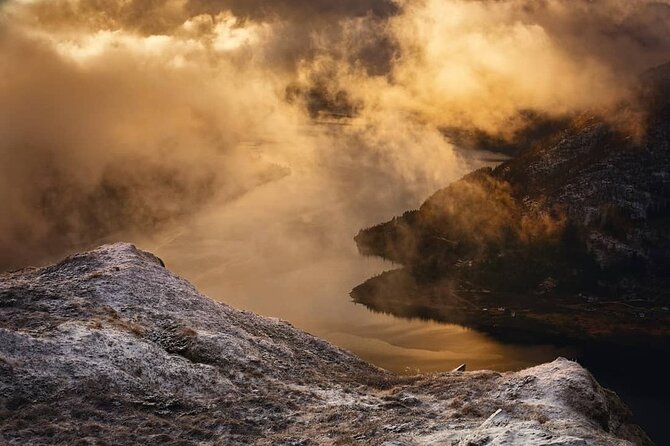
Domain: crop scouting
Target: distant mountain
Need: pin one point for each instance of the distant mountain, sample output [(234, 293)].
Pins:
[(580, 217)]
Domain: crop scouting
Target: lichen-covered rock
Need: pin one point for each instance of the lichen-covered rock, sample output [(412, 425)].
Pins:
[(108, 347)]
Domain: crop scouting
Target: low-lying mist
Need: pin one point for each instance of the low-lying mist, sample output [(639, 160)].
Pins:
[(122, 119)]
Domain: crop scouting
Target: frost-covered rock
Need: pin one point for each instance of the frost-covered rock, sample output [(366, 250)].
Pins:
[(109, 347)]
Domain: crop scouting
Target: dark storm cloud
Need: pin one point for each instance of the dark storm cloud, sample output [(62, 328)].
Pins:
[(296, 9), (628, 35), (160, 16)]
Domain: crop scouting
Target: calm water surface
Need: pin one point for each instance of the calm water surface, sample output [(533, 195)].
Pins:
[(286, 250)]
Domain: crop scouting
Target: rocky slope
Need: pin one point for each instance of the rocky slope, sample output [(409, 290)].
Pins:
[(109, 347)]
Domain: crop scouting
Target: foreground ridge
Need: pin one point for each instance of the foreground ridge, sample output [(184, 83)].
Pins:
[(109, 347)]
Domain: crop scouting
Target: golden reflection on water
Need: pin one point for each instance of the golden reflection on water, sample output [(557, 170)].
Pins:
[(286, 250)]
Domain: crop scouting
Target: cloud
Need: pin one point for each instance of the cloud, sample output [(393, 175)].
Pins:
[(479, 63), (119, 116), (297, 9), (114, 132)]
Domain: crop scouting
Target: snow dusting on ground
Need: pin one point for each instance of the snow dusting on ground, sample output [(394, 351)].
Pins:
[(108, 347)]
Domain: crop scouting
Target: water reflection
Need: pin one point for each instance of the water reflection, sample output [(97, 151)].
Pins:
[(411, 346), (286, 250)]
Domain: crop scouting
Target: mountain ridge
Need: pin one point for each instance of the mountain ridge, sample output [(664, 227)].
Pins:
[(109, 347), (577, 221)]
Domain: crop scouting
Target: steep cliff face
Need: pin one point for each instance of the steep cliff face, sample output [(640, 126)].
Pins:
[(109, 347)]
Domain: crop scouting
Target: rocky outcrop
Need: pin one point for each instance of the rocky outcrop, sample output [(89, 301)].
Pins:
[(108, 347)]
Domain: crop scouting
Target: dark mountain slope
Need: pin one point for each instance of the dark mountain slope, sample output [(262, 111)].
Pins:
[(574, 233)]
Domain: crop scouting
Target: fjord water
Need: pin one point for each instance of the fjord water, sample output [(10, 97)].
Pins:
[(286, 250)]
